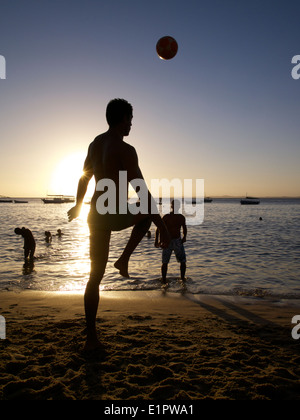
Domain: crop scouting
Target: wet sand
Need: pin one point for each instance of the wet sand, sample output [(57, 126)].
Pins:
[(156, 347)]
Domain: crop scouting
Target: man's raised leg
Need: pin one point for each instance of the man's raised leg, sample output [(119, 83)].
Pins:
[(138, 232)]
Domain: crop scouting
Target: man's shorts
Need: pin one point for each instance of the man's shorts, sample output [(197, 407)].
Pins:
[(177, 246), (107, 221)]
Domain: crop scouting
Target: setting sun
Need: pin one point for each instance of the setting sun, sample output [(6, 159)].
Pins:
[(67, 173)]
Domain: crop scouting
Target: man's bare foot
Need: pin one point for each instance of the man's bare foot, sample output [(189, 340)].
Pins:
[(122, 267)]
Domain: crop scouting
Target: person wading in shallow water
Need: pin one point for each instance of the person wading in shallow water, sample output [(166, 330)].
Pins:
[(107, 155), (174, 222), (29, 243)]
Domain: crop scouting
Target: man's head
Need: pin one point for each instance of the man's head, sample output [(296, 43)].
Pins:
[(119, 112), (18, 231)]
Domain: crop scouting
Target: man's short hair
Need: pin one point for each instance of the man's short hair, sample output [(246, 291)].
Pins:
[(116, 110)]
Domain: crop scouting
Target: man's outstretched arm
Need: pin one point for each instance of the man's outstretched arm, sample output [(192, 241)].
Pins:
[(184, 228), (81, 190)]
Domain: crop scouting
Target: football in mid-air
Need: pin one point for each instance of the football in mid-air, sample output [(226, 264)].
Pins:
[(166, 47)]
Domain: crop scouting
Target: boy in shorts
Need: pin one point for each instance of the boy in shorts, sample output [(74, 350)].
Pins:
[(174, 222)]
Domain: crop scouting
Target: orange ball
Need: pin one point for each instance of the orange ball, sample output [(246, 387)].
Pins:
[(166, 48)]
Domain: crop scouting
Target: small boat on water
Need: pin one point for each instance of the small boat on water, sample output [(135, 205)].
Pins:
[(4, 199), (206, 200), (58, 199), (250, 200), (20, 201)]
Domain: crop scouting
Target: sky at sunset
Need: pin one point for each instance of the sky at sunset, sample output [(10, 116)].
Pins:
[(225, 109)]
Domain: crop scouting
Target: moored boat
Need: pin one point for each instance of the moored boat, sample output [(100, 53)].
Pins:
[(4, 199), (58, 199), (199, 200), (250, 200)]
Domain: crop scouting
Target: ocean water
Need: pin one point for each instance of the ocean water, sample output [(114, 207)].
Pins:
[(232, 252)]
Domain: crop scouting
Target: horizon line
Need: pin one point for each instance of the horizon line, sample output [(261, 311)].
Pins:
[(191, 197)]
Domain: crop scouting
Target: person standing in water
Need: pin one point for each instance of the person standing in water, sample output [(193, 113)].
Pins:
[(174, 223), (29, 242)]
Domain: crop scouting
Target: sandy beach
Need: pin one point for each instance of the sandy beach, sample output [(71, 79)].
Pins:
[(156, 347)]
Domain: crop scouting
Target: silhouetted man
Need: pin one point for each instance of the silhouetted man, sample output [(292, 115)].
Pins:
[(107, 155), (174, 222)]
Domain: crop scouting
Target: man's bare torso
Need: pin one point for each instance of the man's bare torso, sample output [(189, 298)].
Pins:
[(174, 222), (107, 156)]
